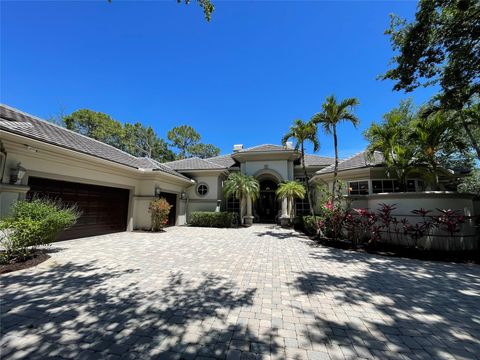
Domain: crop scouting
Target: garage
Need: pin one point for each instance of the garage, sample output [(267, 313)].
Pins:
[(104, 209)]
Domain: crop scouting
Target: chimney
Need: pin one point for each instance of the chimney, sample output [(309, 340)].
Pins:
[(289, 145), (237, 147)]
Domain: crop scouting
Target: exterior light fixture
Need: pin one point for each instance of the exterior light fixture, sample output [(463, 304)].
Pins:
[(183, 195), (17, 174), (158, 190)]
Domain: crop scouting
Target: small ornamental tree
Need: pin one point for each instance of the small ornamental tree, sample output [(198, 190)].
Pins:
[(160, 209)]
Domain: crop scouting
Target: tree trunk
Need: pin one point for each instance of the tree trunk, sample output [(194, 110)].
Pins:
[(474, 142), (307, 184), (242, 209), (335, 170)]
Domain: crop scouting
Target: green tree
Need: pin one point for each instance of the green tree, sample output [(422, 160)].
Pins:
[(206, 5), (291, 190), (187, 140), (242, 187), (96, 125), (391, 139), (302, 132), (204, 151), (471, 183), (433, 136), (439, 47), (331, 115), (183, 137), (143, 142)]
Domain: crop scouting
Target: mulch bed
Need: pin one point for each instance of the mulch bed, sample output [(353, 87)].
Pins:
[(406, 252), (37, 258)]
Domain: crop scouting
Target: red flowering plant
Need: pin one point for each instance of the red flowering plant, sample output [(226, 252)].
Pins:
[(332, 215), (160, 209), (449, 221)]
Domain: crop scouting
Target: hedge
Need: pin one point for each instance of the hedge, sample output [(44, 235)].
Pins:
[(213, 219)]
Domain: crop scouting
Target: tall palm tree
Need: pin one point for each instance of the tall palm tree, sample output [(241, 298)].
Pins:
[(290, 190), (302, 132), (331, 115), (431, 136), (244, 188)]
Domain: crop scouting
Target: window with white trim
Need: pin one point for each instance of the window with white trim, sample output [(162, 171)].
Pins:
[(358, 187), (391, 186)]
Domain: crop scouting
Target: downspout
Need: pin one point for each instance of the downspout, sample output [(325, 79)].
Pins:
[(3, 154)]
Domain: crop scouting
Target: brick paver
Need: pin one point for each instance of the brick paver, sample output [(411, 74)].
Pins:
[(256, 293)]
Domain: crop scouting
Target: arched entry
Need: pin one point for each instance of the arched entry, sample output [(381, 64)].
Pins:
[(267, 206)]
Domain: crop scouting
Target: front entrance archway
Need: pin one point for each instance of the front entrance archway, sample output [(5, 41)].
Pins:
[(267, 203)]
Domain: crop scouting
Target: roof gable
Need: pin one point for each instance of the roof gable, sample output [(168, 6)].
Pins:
[(194, 163), (357, 161), (20, 123)]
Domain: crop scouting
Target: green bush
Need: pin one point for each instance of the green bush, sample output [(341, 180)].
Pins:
[(34, 223), (212, 219), (309, 226), (160, 209)]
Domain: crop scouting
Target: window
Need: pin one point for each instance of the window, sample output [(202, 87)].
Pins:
[(233, 205), (202, 189), (302, 207), (358, 187), (389, 186)]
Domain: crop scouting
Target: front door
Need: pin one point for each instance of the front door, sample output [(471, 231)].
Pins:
[(267, 205), (172, 200)]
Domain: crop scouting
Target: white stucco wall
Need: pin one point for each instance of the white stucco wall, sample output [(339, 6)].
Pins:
[(282, 167)]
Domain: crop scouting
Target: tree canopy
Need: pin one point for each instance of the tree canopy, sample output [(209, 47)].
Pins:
[(408, 139), (187, 141), (137, 139), (441, 46)]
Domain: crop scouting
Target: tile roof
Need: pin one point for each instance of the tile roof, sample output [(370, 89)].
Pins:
[(194, 163), (265, 147), (317, 160), (148, 163), (18, 122), (357, 161), (223, 160)]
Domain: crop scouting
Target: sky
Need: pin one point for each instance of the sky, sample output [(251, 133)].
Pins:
[(240, 79)]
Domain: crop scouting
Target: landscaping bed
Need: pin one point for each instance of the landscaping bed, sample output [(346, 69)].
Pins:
[(33, 260)]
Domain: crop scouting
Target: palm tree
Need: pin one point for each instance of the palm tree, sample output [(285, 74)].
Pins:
[(392, 138), (331, 115), (291, 190), (244, 188), (431, 135), (302, 132)]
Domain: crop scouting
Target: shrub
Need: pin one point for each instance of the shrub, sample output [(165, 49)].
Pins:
[(309, 225), (160, 209), (213, 219), (34, 223)]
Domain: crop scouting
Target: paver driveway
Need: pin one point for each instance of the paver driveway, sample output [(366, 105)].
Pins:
[(238, 293)]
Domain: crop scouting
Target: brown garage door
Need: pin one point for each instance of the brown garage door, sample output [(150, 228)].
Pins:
[(104, 209)]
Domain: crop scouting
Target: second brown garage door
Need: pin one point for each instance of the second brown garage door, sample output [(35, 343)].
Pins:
[(104, 209)]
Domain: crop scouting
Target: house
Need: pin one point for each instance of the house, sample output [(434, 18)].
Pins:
[(113, 189), (270, 164)]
